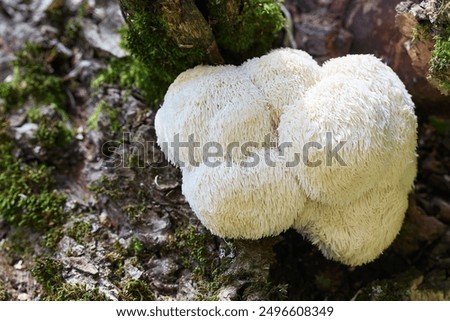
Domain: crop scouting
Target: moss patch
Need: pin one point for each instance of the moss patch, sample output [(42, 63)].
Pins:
[(35, 81), (104, 108), (116, 258), (193, 246), (136, 290), (74, 292), (52, 238), (136, 248), (440, 61), (396, 289), (130, 73), (166, 39), (245, 29), (34, 77), (148, 39), (48, 272), (119, 191), (385, 290), (441, 53), (53, 133), (28, 198), (80, 231), (421, 31), (3, 293)]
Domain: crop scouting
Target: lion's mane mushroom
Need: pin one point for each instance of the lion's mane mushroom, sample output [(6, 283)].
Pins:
[(238, 201), (342, 154)]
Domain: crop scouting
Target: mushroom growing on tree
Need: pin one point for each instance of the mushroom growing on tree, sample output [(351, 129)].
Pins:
[(281, 142)]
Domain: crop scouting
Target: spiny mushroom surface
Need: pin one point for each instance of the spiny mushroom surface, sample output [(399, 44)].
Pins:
[(282, 142)]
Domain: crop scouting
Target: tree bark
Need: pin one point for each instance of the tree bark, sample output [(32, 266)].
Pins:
[(185, 23), (426, 27)]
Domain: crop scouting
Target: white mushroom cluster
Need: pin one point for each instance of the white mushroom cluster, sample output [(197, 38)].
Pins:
[(282, 142)]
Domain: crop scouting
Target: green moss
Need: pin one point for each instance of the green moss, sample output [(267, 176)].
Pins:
[(33, 78), (119, 192), (135, 213), (104, 108), (11, 94), (149, 39), (107, 188), (83, 10), (80, 231), (3, 293), (135, 248), (18, 243), (48, 272), (27, 193), (192, 246), (116, 264), (441, 53), (396, 289), (130, 73), (69, 26), (53, 133), (422, 31), (75, 292), (246, 28), (440, 61), (384, 290), (116, 258), (34, 114), (52, 238), (161, 48), (56, 14), (136, 290), (209, 286), (92, 122), (72, 30)]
